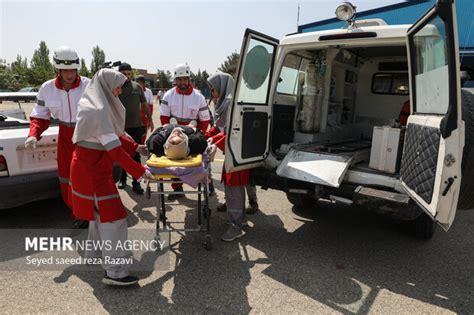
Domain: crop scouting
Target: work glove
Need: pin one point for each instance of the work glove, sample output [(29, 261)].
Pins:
[(142, 149), (148, 176), (30, 143)]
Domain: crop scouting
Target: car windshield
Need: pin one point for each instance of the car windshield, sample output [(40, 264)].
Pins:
[(25, 89)]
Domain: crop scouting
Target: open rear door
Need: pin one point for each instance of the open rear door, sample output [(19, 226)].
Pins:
[(434, 139), (248, 129)]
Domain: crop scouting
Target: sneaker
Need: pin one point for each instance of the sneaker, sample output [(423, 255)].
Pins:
[(128, 280), (173, 121), (222, 208), (253, 207), (121, 185), (232, 233), (80, 224), (245, 223), (174, 197), (136, 188)]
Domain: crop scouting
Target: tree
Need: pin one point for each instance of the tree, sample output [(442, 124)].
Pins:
[(20, 70), (163, 79), (200, 80), (41, 67), (230, 65), (98, 59), (83, 71)]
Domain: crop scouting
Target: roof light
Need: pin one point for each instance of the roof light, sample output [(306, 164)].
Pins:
[(345, 11)]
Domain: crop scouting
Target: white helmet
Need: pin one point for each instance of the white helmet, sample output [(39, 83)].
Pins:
[(65, 58), (181, 71)]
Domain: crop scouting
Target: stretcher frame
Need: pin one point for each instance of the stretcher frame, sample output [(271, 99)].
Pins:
[(202, 204)]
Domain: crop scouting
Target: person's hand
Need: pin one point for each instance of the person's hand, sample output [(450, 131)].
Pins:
[(142, 149), (151, 126), (148, 175), (212, 152), (30, 143)]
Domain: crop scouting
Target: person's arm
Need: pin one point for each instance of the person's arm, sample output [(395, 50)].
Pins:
[(165, 111), (128, 144), (212, 132), (203, 115), (219, 141), (146, 109), (117, 153), (40, 117)]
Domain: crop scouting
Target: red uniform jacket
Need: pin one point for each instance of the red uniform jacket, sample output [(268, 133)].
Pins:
[(91, 175)]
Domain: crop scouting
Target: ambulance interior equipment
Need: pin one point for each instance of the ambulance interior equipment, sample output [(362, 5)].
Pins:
[(344, 105)]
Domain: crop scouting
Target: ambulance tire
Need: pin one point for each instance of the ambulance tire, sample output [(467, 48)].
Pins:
[(466, 197), (423, 227), (300, 200)]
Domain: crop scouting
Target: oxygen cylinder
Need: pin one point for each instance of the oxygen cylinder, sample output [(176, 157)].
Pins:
[(310, 114), (308, 98)]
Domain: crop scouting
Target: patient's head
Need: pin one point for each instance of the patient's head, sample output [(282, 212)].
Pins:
[(176, 146)]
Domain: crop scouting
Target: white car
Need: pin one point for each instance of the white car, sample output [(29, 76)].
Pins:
[(316, 116), (26, 175)]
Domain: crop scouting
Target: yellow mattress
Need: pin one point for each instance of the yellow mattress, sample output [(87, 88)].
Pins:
[(163, 161)]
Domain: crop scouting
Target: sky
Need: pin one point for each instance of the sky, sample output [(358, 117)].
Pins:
[(154, 34)]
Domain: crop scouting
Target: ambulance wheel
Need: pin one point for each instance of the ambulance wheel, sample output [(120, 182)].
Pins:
[(466, 199), (208, 242), (300, 200), (424, 227)]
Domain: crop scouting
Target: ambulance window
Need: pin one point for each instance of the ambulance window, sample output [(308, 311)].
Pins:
[(255, 79), (390, 83), (431, 71), (287, 83)]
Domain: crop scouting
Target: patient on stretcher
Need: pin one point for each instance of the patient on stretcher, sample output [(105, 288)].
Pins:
[(177, 142)]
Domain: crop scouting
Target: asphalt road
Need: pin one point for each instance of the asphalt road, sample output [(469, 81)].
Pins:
[(329, 259)]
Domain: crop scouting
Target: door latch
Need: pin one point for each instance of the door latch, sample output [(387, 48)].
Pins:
[(449, 183)]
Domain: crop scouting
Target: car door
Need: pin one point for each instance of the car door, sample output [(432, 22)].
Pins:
[(434, 138), (248, 128)]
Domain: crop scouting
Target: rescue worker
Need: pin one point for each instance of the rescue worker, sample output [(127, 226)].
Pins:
[(185, 105), (222, 88), (134, 101), (149, 98), (100, 141), (59, 98)]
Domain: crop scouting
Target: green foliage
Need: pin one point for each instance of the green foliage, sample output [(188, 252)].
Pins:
[(164, 80), (230, 65), (20, 72), (98, 59), (200, 80), (83, 71), (41, 67)]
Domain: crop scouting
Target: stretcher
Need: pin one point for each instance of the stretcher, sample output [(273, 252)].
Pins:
[(193, 171)]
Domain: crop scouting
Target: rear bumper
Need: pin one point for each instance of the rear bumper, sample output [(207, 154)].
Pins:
[(19, 190)]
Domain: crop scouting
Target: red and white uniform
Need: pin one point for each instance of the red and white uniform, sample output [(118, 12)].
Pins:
[(185, 107), (53, 101), (237, 178), (149, 99), (91, 176)]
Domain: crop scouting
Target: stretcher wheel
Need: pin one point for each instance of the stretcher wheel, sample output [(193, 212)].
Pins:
[(148, 193), (208, 242)]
